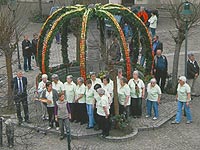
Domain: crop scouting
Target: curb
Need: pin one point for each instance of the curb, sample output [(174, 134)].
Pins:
[(137, 130)]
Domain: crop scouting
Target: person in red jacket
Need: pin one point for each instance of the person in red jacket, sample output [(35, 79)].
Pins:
[(142, 14)]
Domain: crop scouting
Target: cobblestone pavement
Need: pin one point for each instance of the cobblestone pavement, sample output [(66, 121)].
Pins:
[(168, 137)]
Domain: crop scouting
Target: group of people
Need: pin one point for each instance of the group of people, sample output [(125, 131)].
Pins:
[(29, 50), (92, 103)]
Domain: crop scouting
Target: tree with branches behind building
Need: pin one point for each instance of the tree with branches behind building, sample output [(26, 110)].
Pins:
[(179, 35)]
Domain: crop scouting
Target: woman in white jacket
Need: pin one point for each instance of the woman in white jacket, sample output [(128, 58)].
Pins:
[(153, 24)]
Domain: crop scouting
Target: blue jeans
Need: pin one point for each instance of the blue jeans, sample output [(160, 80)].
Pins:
[(142, 60), (179, 111), (90, 115), (153, 32), (149, 108), (27, 63)]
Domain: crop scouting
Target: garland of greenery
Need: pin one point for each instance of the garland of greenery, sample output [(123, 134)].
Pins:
[(136, 22), (49, 38), (108, 15), (45, 28), (63, 15)]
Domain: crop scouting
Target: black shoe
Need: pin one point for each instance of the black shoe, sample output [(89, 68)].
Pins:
[(31, 69), (89, 127), (27, 121), (62, 137), (77, 121), (81, 123)]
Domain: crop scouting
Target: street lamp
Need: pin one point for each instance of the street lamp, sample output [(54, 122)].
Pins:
[(187, 14), (12, 5)]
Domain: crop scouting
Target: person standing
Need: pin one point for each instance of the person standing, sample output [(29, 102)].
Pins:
[(41, 88), (94, 79), (142, 14), (157, 44), (19, 86), (192, 72), (89, 95), (153, 98), (153, 23), (62, 115), (103, 112), (133, 51), (124, 97), (34, 47), (69, 90), (50, 96), (80, 107), (114, 51), (27, 53), (137, 92), (183, 97), (57, 84), (160, 69)]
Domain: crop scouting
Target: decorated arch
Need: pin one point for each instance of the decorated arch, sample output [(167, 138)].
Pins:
[(63, 15)]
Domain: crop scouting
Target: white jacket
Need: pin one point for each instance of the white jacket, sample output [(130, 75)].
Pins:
[(153, 22)]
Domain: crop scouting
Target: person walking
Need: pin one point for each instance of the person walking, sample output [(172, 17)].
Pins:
[(62, 115), (19, 86), (192, 72), (153, 23), (153, 98), (160, 69), (137, 92), (183, 97), (27, 53)]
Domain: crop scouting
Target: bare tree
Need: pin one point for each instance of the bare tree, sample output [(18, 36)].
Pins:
[(40, 7), (179, 35), (8, 41)]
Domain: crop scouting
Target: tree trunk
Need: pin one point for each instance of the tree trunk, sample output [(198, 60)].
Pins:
[(10, 101), (40, 7), (113, 74), (179, 42)]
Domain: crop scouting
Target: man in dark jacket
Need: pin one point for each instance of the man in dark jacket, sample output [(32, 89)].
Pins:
[(19, 86), (27, 53), (157, 44), (160, 69), (34, 46), (192, 72)]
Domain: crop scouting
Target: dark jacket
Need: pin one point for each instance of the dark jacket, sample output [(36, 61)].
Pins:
[(164, 61), (26, 52), (15, 85), (192, 69), (55, 96), (34, 46), (158, 46)]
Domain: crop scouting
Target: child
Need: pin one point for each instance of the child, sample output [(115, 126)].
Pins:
[(62, 115)]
